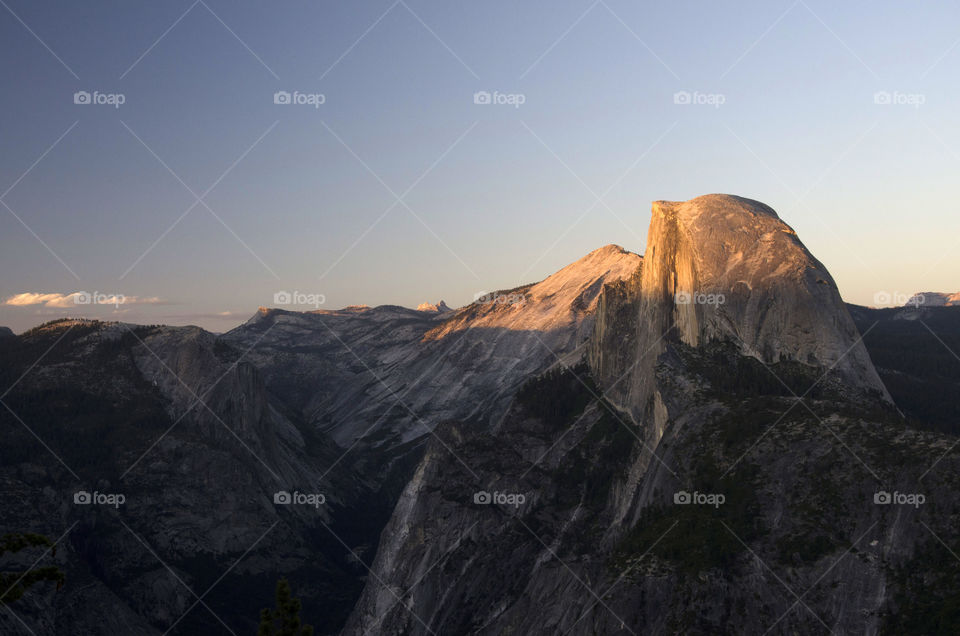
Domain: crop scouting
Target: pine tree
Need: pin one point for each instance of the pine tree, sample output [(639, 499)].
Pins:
[(285, 619)]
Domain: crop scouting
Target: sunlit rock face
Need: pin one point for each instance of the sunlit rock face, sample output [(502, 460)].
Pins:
[(725, 268), (563, 300), (439, 308), (383, 377)]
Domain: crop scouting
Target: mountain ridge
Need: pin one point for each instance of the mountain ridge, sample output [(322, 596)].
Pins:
[(664, 380), (597, 393), (934, 299)]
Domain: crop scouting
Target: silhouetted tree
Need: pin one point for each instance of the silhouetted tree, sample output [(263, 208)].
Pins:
[(285, 619)]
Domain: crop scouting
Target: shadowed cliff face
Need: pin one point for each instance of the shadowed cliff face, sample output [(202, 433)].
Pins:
[(913, 351), (724, 268), (173, 419)]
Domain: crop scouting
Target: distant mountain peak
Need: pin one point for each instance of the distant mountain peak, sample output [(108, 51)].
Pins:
[(564, 301), (610, 248), (439, 308), (934, 299)]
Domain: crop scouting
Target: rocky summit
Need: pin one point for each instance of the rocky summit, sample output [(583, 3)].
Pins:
[(704, 439), (722, 268)]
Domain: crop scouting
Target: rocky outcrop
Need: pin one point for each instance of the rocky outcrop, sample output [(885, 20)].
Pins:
[(562, 303), (612, 349), (698, 399), (440, 308), (721, 268)]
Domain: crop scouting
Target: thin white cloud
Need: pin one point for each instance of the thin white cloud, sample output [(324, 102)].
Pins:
[(78, 299), (30, 298)]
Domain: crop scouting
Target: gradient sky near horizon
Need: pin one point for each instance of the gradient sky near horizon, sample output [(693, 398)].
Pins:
[(400, 189)]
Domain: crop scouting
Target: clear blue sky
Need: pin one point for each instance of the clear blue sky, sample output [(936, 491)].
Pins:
[(870, 188)]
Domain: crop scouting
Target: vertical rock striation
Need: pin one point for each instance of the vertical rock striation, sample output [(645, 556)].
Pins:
[(722, 268)]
